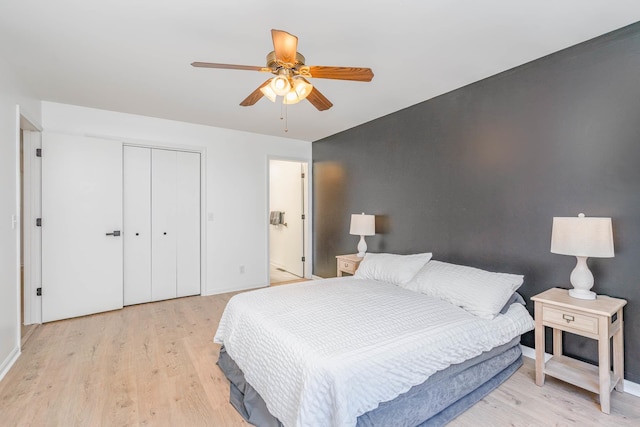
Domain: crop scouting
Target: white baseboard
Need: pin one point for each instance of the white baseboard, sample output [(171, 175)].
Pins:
[(8, 362), (629, 387), (531, 353), (632, 388), (233, 289), (244, 288)]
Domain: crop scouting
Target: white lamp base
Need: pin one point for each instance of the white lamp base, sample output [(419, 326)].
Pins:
[(362, 247), (581, 294), (581, 280)]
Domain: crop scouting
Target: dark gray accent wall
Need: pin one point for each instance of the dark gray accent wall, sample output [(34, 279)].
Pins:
[(476, 176)]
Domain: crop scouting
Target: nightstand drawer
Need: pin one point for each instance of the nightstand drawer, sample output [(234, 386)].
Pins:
[(570, 320), (347, 266)]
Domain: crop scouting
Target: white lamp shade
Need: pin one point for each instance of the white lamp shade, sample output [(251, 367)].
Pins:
[(302, 88), (363, 225), (280, 85), (291, 97), (582, 236), (268, 92)]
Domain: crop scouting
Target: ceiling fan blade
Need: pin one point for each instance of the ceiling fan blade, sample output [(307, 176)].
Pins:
[(255, 95), (319, 100), (226, 66), (285, 46), (341, 73)]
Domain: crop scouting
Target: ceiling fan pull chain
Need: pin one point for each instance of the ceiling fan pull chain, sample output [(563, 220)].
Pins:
[(286, 124), (283, 114)]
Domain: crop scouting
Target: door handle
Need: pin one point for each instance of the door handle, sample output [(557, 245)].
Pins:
[(115, 233)]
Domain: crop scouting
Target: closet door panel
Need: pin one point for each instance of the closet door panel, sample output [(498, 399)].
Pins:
[(188, 223), (163, 224), (137, 225)]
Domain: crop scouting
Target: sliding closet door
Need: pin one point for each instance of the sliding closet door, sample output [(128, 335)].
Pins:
[(188, 223), (163, 224), (137, 225)]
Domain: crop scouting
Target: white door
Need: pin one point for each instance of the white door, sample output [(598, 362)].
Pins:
[(163, 224), (137, 225), (81, 209), (188, 223)]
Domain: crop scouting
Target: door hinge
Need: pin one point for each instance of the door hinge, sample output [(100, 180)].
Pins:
[(303, 259), (302, 175), (38, 152), (303, 217), (39, 292), (38, 222)]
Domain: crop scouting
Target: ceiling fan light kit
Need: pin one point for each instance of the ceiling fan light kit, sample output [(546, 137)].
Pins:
[(290, 72)]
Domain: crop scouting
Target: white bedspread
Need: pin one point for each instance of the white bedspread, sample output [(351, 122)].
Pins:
[(322, 353)]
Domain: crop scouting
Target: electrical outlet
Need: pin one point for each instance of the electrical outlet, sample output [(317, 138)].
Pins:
[(242, 269)]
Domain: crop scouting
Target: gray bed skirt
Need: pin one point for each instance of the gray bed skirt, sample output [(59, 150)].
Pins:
[(441, 398)]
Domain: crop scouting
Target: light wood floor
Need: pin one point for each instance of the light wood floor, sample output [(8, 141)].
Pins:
[(26, 331), (154, 364), (278, 275)]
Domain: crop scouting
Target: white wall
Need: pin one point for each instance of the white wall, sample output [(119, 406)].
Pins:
[(236, 182), (11, 95)]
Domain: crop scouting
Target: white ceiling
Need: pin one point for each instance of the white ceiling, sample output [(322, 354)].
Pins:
[(133, 55)]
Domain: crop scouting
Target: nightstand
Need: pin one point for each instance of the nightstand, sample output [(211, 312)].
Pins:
[(599, 319), (348, 263)]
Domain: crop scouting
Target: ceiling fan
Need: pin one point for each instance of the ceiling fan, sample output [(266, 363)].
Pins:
[(291, 73)]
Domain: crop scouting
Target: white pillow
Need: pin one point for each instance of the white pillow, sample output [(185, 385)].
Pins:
[(479, 292), (396, 269)]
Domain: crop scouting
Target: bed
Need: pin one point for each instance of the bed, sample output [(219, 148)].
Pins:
[(370, 352)]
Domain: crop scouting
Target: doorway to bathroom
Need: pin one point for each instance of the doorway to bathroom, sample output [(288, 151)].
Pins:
[(288, 201)]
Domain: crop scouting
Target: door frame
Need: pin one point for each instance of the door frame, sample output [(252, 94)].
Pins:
[(307, 234), (25, 194)]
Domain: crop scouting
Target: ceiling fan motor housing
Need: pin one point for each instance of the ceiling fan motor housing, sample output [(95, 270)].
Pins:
[(274, 64)]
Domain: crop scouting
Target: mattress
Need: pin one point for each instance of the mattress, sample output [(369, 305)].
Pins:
[(438, 400), (326, 352)]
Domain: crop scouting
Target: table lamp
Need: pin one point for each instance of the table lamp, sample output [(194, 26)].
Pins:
[(582, 237), (362, 225)]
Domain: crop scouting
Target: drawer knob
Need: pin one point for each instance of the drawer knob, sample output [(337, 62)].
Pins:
[(568, 318)]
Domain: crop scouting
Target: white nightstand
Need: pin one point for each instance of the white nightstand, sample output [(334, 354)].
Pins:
[(598, 319), (348, 263)]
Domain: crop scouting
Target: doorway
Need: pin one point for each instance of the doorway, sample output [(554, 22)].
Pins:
[(288, 203)]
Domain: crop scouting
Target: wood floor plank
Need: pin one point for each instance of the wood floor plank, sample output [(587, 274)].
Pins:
[(155, 365)]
